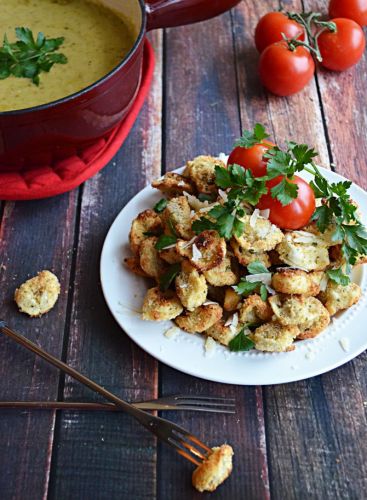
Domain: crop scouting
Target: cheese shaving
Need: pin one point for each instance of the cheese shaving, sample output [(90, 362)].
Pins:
[(264, 278), (196, 254), (323, 283), (189, 243), (210, 346), (265, 213), (345, 344), (253, 219), (305, 237), (172, 332), (223, 195), (210, 303)]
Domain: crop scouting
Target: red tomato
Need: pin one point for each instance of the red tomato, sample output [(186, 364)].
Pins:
[(285, 71), (351, 9), (295, 215), (251, 158), (342, 49), (271, 26)]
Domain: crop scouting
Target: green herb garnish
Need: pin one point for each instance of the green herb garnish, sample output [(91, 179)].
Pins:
[(241, 342), (164, 241), (246, 288), (250, 139), (160, 206), (166, 279), (27, 57), (338, 277)]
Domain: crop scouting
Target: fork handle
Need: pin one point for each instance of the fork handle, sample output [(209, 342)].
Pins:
[(70, 405), (23, 341)]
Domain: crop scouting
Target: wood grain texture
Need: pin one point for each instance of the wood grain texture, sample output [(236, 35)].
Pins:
[(33, 236), (201, 117), (98, 456)]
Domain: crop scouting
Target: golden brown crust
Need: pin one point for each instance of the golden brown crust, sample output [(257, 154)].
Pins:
[(245, 257), (231, 300), (222, 333), (211, 247), (214, 470), (200, 319), (176, 218), (170, 255), (146, 222), (133, 263), (150, 262), (222, 275), (254, 310), (337, 297), (274, 337), (297, 282), (191, 287), (160, 306), (201, 170), (260, 236), (38, 295), (174, 184)]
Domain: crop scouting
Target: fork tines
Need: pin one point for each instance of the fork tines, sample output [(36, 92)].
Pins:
[(183, 441)]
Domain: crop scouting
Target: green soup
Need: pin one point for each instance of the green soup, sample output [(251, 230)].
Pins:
[(96, 39)]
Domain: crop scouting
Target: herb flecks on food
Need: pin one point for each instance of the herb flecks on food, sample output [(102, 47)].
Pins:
[(166, 279), (241, 342), (28, 57)]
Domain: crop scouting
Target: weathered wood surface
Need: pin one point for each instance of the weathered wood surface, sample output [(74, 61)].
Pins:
[(303, 440)]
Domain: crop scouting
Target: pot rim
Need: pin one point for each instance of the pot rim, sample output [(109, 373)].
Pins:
[(92, 86)]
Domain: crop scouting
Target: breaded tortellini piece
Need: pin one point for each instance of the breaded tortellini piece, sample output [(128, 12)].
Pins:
[(223, 333), (201, 170), (200, 319), (337, 297), (297, 282), (191, 287), (161, 306), (177, 217), (38, 295), (205, 252), (150, 262), (133, 263), (274, 337), (309, 254), (146, 222), (170, 255), (254, 310), (214, 470), (245, 257), (173, 184), (231, 300), (307, 313), (259, 235), (222, 275)]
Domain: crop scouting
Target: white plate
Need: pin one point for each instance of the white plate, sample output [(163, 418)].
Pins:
[(124, 293)]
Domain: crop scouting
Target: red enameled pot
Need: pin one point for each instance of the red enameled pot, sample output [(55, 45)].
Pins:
[(39, 135)]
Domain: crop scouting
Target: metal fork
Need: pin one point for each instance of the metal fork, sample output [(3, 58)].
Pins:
[(186, 444), (176, 402)]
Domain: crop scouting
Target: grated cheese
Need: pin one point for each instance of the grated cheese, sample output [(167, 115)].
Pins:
[(196, 254), (345, 344), (172, 332), (210, 347)]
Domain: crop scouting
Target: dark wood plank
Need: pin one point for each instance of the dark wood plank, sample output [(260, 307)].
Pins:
[(201, 117), (33, 236), (104, 455)]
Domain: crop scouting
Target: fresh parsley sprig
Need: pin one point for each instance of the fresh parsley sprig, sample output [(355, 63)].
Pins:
[(246, 288), (241, 342), (251, 138), (166, 279), (28, 57)]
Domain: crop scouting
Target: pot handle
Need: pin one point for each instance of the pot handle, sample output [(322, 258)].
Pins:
[(167, 13)]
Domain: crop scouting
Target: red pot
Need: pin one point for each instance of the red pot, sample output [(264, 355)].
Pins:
[(36, 136)]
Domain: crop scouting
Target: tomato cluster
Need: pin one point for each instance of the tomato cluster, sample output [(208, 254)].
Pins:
[(292, 216), (289, 42)]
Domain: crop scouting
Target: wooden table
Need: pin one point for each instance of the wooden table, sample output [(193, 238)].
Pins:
[(296, 441)]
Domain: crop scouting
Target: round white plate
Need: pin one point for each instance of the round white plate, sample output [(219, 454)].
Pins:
[(124, 293)]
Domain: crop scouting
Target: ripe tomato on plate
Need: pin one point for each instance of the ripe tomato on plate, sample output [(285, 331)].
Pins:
[(271, 26), (351, 9), (284, 70), (251, 158), (344, 48), (295, 215)]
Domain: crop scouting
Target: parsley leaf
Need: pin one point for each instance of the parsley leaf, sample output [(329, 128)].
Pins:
[(257, 267), (241, 342), (249, 138), (203, 224), (160, 205), (28, 57), (338, 276), (166, 279), (285, 192), (206, 197), (222, 177), (246, 287), (165, 240), (263, 293)]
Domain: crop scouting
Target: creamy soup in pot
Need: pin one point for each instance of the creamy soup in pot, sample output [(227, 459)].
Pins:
[(96, 39)]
